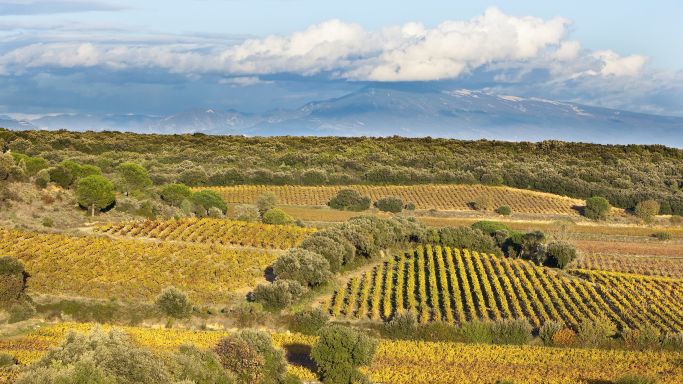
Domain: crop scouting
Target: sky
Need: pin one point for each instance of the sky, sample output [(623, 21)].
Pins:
[(162, 57)]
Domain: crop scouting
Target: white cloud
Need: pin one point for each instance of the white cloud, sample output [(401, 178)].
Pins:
[(243, 81), (409, 52)]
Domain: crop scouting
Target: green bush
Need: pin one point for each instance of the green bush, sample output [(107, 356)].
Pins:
[(13, 280), (662, 236), (20, 311), (467, 238), (504, 210), (277, 216), (61, 176), (389, 204), (559, 254), (199, 367), (308, 268), (511, 331), (597, 208), (326, 247), (174, 194), (278, 295), (349, 200), (482, 203), (410, 206), (490, 227), (42, 178), (249, 314), (266, 202), (174, 303), (309, 321), (402, 326), (477, 331), (335, 234), (339, 352), (111, 357), (646, 210), (438, 331)]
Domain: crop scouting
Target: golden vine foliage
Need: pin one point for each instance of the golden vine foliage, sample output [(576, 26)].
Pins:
[(450, 285), (428, 196), (108, 268), (667, 266), (213, 231), (400, 362)]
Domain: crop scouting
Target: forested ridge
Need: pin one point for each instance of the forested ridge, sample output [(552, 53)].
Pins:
[(624, 175)]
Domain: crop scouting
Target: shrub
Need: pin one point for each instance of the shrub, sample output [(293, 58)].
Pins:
[(402, 326), (548, 330), (240, 358), (174, 303), (410, 206), (559, 254), (215, 213), (511, 331), (266, 202), (647, 337), (278, 295), (646, 210), (349, 200), (204, 200), (277, 216), (200, 367), (174, 194), (42, 178), (389, 204), (490, 227), (673, 341), (249, 314), (595, 333), (337, 235), (20, 311), (246, 212), (482, 203), (112, 355), (61, 176), (597, 208), (467, 238), (309, 321), (438, 331), (13, 280), (308, 268), (331, 250), (662, 236), (504, 210), (339, 352), (635, 379), (274, 364), (477, 331), (84, 371), (7, 360)]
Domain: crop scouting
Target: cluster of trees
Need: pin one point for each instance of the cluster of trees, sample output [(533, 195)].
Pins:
[(598, 208), (625, 175), (531, 246), (352, 200)]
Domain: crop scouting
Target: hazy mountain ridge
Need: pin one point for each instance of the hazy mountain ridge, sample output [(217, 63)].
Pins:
[(401, 110)]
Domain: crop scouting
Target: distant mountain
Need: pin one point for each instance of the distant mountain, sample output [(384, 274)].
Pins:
[(402, 110)]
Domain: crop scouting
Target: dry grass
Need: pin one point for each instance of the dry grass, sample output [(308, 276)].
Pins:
[(441, 197)]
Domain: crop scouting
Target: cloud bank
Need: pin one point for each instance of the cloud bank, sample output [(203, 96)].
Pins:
[(409, 52)]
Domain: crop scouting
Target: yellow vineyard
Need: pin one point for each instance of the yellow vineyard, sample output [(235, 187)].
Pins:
[(399, 362), (442, 197), (107, 268), (213, 231), (444, 284), (666, 266)]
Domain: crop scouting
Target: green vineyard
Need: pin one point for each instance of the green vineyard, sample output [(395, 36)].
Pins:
[(454, 286)]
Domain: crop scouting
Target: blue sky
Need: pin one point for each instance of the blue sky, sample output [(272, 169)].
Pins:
[(159, 57)]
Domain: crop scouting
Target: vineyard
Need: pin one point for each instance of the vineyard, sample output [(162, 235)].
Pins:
[(214, 231), (665, 266), (444, 284), (101, 267), (442, 197), (404, 361)]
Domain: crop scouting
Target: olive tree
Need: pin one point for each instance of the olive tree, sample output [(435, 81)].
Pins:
[(340, 351)]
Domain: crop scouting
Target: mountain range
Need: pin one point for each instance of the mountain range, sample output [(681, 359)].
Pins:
[(404, 111)]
